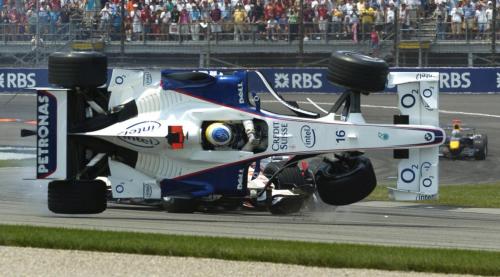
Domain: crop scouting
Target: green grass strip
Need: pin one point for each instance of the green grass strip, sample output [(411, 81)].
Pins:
[(17, 163), (288, 252), (471, 195)]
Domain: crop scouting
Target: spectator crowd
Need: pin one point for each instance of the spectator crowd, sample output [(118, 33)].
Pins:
[(238, 20)]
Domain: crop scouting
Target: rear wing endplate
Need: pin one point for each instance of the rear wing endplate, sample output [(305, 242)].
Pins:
[(51, 133)]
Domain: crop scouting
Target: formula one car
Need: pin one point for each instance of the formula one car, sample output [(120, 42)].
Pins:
[(463, 142), (186, 138)]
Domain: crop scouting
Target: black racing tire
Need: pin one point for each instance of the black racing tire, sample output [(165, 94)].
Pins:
[(357, 71), (289, 178), (78, 69), (77, 197), (181, 205), (340, 185), (481, 147)]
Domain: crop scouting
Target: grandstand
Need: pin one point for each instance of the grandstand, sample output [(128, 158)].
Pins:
[(251, 33)]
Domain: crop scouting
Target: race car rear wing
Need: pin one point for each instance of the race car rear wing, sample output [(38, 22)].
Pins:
[(51, 133), (418, 98)]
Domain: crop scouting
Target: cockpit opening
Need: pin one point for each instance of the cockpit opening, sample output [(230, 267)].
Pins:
[(242, 135)]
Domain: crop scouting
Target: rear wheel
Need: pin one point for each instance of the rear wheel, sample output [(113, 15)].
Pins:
[(78, 69), (77, 197), (481, 147), (357, 71)]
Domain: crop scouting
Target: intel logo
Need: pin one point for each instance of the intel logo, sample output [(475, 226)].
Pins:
[(308, 136), (140, 128)]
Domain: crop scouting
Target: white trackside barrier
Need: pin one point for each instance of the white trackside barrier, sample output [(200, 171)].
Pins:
[(418, 98)]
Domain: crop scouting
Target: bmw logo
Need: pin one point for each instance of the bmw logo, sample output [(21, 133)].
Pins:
[(428, 137)]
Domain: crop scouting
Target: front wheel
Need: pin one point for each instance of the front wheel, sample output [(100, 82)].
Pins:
[(481, 147), (345, 181)]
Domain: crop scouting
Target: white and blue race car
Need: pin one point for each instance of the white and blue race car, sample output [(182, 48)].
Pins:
[(185, 138)]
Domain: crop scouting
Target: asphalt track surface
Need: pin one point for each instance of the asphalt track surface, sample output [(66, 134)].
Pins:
[(387, 223)]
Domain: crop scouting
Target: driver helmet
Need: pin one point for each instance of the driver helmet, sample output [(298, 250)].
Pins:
[(219, 134), (455, 133)]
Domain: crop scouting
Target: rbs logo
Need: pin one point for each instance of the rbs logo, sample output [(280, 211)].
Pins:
[(298, 80), (454, 80), (17, 80)]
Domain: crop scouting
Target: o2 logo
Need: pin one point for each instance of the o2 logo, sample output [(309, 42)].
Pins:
[(120, 79), (408, 100), (408, 175)]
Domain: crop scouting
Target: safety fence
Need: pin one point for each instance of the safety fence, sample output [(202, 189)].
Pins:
[(298, 80), (325, 31)]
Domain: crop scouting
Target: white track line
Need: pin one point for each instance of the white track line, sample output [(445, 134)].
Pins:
[(395, 108)]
